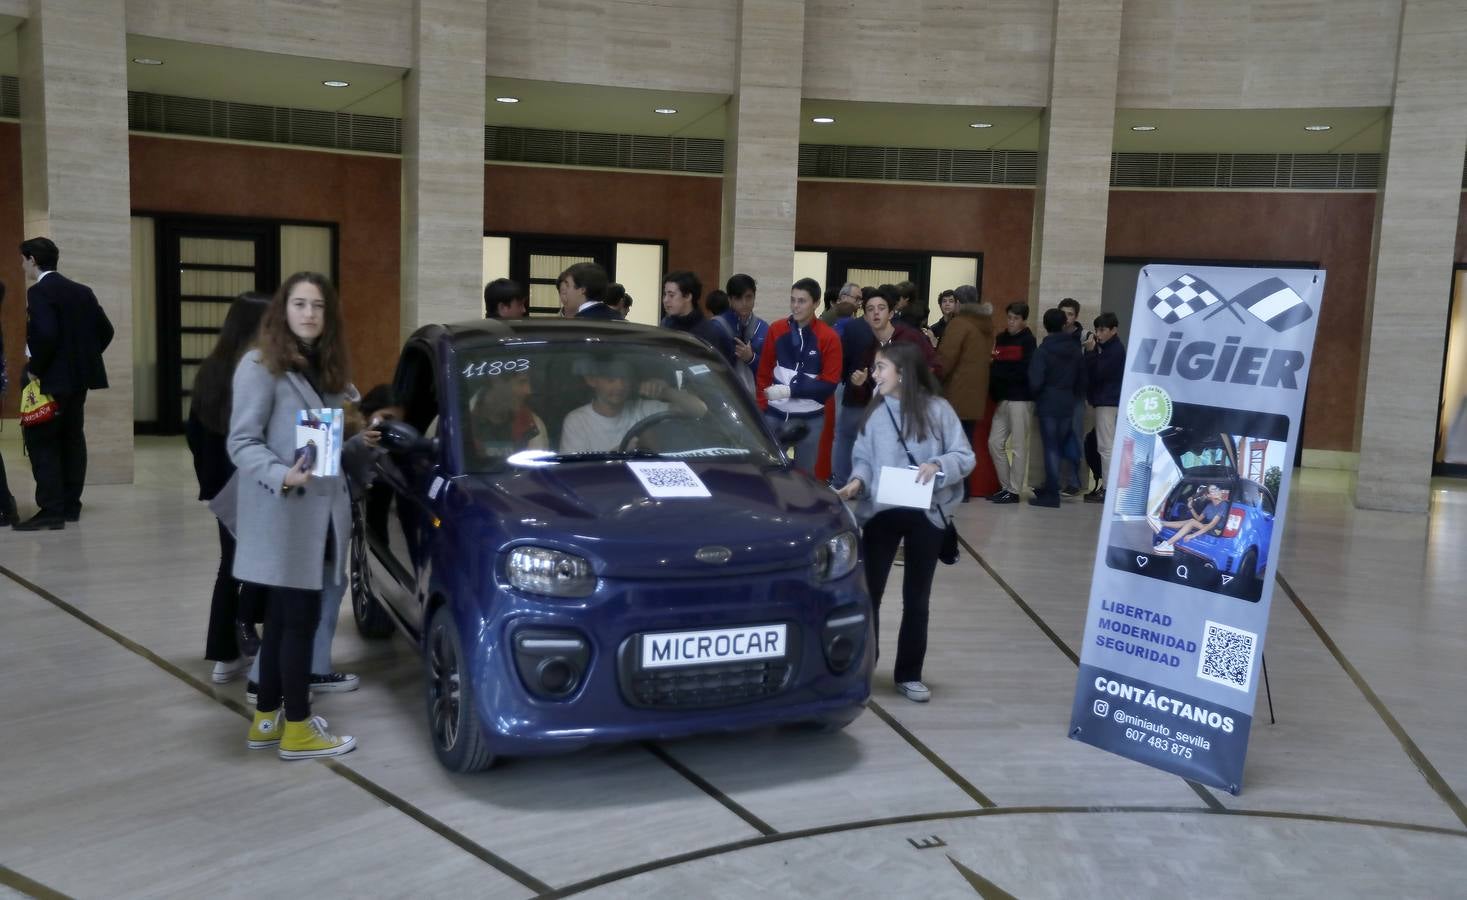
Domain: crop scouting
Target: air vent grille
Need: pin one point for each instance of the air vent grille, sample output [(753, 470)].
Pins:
[(166, 114), (918, 164), (1293, 171), (503, 143), (9, 96)]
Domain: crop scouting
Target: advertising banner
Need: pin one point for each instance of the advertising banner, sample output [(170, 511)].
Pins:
[(1216, 365)]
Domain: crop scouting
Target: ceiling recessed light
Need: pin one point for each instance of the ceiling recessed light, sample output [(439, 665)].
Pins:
[(823, 120), (665, 111), (337, 83), (1317, 127), (506, 99), (980, 124), (147, 61), (1143, 127)]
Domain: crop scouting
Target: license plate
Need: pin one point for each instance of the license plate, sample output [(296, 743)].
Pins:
[(722, 645)]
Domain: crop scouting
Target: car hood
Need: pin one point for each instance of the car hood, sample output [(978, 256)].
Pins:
[(767, 518)]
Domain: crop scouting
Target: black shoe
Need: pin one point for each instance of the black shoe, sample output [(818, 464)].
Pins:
[(1006, 497), (8, 513), (248, 638), (74, 516), (1048, 500), (334, 681), (42, 521), (1096, 496), (996, 495), (1070, 491)]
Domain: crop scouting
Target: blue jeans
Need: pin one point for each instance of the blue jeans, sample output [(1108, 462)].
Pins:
[(847, 426), (807, 451), (1056, 433), (331, 595)]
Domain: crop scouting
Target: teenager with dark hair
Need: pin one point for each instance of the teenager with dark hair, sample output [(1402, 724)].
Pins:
[(505, 299), (1057, 380), (680, 292), (66, 333), (231, 640), (799, 370), (908, 424), (618, 299), (749, 330), (293, 529), (947, 303), (1105, 369), (1008, 384)]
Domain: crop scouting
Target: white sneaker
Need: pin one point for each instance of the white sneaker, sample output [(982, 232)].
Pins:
[(1163, 549), (1155, 523), (915, 691), (225, 672)]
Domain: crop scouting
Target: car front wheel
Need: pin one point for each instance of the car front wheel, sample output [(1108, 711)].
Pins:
[(453, 719)]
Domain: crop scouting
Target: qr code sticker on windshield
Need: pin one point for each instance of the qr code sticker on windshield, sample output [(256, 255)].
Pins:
[(669, 479), (1227, 655)]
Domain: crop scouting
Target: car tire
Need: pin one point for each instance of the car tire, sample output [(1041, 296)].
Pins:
[(372, 620), (453, 717), (1248, 569)]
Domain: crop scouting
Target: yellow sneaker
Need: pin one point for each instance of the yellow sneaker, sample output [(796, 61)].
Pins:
[(309, 739), (264, 731)]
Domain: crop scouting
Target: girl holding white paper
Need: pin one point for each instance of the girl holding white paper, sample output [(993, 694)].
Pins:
[(910, 438), (292, 528)]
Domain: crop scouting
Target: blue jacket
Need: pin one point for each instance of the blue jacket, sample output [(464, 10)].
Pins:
[(1057, 376), (752, 333), (1105, 369), (807, 359)]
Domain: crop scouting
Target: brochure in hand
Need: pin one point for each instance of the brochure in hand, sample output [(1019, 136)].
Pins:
[(318, 438)]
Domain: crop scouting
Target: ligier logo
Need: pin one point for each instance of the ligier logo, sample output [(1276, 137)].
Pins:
[(1271, 302)]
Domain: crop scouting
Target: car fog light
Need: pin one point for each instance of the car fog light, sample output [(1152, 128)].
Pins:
[(552, 662), (557, 675), (541, 570), (843, 637)]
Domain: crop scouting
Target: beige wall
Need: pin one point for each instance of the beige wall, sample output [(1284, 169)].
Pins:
[(978, 52), (682, 45), (1250, 54), (369, 31)]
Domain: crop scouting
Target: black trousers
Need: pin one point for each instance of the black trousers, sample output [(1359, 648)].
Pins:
[(6, 500), (880, 538), (58, 452), (291, 616), (232, 600), (968, 426)]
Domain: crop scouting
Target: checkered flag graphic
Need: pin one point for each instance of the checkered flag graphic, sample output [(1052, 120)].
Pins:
[(1275, 304), (1183, 297)]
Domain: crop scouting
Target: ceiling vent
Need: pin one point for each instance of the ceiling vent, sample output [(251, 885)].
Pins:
[(9, 96), (918, 164), (230, 120), (503, 143)]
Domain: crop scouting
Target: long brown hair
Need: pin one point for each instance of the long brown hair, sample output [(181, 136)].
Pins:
[(280, 348), (917, 385), (211, 395)]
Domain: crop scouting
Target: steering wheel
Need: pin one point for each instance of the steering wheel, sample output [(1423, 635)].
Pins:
[(646, 424)]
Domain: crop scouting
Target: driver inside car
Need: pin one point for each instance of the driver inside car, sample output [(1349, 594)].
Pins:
[(501, 421), (618, 404)]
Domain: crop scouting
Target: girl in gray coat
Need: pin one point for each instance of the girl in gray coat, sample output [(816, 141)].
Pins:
[(907, 424), (292, 528)]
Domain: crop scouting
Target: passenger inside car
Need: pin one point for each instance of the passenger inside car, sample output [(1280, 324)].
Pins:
[(1208, 510), (501, 421)]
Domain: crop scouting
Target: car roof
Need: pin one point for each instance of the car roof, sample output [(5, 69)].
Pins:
[(480, 331)]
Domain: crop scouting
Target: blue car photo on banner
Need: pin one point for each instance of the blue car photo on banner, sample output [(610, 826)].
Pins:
[(1217, 364)]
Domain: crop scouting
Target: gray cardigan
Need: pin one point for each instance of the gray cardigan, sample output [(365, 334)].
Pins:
[(878, 445), (282, 535)]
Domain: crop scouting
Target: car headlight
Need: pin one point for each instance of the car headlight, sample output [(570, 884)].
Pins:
[(541, 570), (837, 556)]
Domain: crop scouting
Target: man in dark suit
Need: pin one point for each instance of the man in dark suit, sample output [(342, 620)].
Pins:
[(7, 501), (66, 332), (582, 292)]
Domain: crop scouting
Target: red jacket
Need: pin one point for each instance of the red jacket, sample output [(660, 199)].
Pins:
[(811, 354)]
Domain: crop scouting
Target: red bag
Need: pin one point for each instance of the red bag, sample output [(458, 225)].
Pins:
[(36, 408)]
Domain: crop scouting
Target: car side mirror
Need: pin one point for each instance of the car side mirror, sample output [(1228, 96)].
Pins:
[(792, 433), (401, 438)]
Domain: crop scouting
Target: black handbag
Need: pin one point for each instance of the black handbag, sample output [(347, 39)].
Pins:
[(947, 553)]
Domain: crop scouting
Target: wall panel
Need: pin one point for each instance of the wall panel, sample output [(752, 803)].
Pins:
[(366, 31), (359, 193), (12, 227)]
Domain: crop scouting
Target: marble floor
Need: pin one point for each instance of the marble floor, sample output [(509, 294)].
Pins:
[(125, 772)]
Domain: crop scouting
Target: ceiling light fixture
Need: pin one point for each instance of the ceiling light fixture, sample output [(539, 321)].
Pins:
[(823, 120), (506, 99), (665, 111), (337, 83), (1318, 127), (1143, 127), (147, 61), (980, 124)]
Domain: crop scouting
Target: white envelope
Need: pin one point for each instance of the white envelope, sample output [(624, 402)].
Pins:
[(897, 486)]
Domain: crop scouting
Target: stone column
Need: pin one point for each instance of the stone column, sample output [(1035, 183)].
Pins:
[(443, 164), (762, 151), (1067, 253), (1415, 231), (74, 171)]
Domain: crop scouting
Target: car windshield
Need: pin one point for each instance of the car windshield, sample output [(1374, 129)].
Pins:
[(536, 403), (1206, 456)]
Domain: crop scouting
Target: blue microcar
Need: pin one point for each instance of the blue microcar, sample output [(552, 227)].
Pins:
[(1238, 545), (592, 536)]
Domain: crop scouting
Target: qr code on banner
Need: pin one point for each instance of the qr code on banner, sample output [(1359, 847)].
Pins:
[(1227, 655), (669, 479)]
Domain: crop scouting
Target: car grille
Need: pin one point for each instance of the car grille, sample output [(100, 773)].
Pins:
[(706, 686)]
